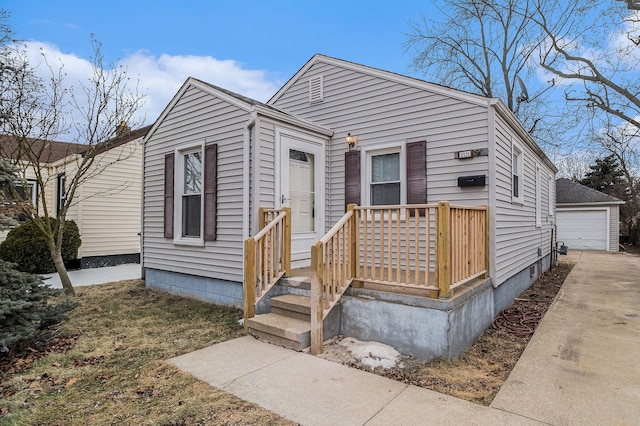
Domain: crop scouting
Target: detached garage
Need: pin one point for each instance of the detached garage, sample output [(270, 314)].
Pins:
[(586, 219)]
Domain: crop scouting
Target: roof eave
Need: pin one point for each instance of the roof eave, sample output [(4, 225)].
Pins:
[(281, 116), (590, 204), (508, 115)]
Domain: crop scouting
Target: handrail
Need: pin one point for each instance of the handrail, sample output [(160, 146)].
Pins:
[(267, 257), (332, 264), (398, 246)]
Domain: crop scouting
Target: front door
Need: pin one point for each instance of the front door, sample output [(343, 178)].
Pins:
[(301, 187)]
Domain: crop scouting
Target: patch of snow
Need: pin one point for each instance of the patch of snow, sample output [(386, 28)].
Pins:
[(372, 354)]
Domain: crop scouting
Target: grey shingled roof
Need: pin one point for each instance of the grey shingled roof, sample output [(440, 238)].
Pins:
[(570, 192)]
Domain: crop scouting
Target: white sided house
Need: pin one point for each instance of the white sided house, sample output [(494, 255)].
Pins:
[(418, 211), (106, 204)]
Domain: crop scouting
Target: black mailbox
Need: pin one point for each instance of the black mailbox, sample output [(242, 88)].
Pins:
[(479, 180)]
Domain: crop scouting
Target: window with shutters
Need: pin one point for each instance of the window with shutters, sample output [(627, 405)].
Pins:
[(189, 174), (391, 174), (190, 195)]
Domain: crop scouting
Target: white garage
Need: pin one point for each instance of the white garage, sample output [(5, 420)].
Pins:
[(586, 219)]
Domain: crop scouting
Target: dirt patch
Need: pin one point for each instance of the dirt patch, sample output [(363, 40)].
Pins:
[(479, 372)]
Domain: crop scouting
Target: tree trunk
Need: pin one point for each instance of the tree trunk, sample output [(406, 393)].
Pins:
[(63, 274)]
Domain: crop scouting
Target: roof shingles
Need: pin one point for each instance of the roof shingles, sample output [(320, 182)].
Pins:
[(570, 192)]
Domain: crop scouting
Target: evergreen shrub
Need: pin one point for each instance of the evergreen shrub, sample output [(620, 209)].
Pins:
[(26, 247), (24, 306)]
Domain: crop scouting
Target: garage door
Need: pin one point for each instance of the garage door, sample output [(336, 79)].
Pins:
[(583, 229)]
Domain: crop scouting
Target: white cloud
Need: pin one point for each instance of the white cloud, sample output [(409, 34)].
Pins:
[(159, 77)]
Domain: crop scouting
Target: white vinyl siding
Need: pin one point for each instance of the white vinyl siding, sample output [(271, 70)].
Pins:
[(108, 214), (382, 112), (106, 206), (198, 117), (538, 199), (516, 237)]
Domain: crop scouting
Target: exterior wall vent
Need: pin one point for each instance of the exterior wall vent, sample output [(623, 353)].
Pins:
[(316, 92)]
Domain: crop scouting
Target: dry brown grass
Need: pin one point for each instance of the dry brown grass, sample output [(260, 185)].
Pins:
[(117, 371), (479, 372)]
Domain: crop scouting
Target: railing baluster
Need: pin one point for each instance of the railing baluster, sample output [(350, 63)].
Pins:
[(416, 231), (365, 243), (427, 255), (398, 245)]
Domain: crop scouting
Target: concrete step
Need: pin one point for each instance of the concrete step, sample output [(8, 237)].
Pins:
[(293, 306), (281, 330), (298, 282)]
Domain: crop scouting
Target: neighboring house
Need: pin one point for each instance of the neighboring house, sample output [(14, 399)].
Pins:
[(107, 204), (214, 158), (587, 219)]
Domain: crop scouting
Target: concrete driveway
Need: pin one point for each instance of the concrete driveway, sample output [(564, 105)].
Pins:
[(582, 364)]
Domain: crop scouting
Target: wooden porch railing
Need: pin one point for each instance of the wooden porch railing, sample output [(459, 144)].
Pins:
[(429, 247), (267, 257)]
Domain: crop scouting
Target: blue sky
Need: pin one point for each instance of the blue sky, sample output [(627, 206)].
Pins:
[(251, 47)]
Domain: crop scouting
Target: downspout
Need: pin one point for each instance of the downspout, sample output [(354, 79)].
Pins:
[(142, 269), (246, 174)]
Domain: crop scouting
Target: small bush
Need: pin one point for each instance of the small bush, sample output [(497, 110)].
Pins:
[(26, 247), (24, 307)]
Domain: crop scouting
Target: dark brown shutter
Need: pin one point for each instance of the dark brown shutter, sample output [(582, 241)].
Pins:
[(210, 192), (169, 161), (417, 174), (351, 178)]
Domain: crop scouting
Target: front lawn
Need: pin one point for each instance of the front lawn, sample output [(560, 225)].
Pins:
[(107, 365)]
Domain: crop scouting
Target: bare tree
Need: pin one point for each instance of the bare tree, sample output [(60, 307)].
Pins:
[(623, 144), (589, 45), (485, 47), (38, 111), (574, 165)]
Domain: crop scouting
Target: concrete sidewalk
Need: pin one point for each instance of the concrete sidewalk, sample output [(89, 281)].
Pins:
[(80, 277), (579, 368)]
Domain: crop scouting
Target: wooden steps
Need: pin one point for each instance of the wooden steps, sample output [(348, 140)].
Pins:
[(288, 324)]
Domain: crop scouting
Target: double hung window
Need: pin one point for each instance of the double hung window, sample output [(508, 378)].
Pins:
[(192, 194), (385, 179)]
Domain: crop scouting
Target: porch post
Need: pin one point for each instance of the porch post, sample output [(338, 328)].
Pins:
[(287, 241), (261, 218), (353, 241), (249, 280), (316, 299), (486, 241), (443, 248)]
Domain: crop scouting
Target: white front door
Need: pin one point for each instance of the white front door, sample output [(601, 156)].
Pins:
[(301, 187)]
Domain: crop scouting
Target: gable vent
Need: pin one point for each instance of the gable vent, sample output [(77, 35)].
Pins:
[(315, 89)]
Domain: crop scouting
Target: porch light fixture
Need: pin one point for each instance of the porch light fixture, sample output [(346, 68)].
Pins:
[(351, 140)]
